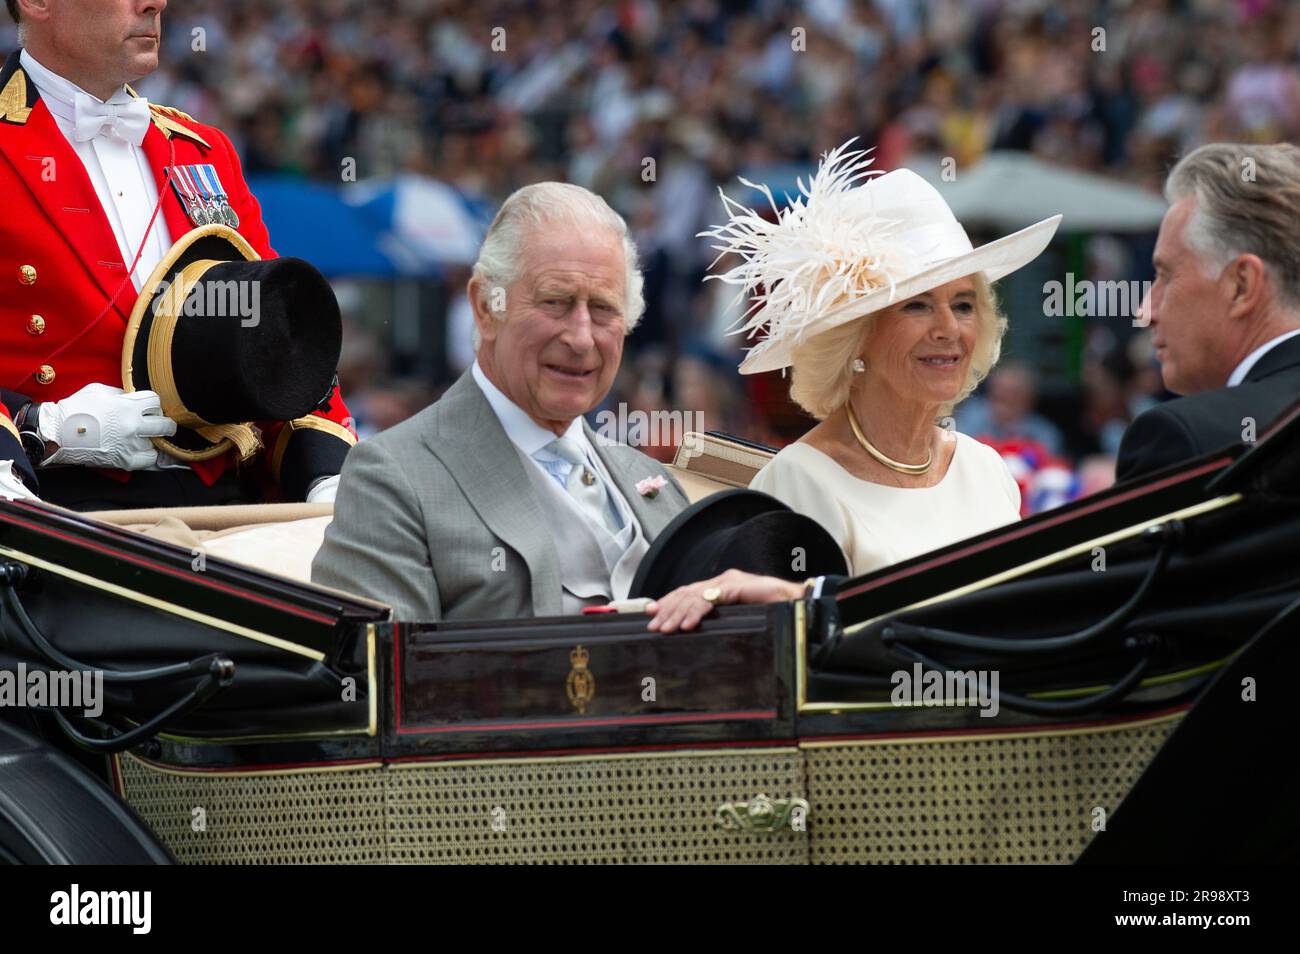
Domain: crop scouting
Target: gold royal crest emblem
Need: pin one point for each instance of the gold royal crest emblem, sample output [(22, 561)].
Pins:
[(581, 684)]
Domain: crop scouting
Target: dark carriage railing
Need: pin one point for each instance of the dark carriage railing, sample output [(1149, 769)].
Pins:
[(301, 683)]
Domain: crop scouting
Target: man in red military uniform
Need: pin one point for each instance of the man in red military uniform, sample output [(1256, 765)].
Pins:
[(95, 186)]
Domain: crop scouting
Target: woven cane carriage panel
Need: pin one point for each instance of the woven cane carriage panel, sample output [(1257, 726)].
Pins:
[(603, 809), (301, 817), (1004, 799)]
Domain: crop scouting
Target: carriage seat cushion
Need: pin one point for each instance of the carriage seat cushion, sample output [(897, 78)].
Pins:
[(283, 538), (274, 538)]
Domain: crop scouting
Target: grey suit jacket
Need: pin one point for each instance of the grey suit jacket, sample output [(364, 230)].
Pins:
[(437, 518)]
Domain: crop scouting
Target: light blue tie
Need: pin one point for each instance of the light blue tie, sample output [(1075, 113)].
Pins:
[(584, 484)]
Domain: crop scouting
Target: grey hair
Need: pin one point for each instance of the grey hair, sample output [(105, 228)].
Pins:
[(1236, 213), (821, 373), (550, 203)]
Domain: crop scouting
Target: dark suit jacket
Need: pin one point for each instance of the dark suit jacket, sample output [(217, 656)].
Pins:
[(1187, 427)]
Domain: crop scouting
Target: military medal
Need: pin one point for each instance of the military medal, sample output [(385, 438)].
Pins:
[(174, 177), (202, 214), (188, 195), (208, 200), (221, 208), (202, 195)]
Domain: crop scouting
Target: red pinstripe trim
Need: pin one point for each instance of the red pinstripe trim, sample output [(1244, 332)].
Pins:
[(606, 750), (582, 721)]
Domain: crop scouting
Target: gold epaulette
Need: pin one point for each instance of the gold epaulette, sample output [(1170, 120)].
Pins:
[(13, 99), (173, 111), (163, 119)]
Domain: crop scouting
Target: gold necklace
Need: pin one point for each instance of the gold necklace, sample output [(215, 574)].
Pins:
[(913, 469)]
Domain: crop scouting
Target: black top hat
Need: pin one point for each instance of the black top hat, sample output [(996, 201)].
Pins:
[(226, 338), (736, 529)]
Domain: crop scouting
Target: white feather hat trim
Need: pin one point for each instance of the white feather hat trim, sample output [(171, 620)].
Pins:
[(842, 250)]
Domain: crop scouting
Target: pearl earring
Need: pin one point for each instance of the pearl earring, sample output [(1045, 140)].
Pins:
[(858, 366)]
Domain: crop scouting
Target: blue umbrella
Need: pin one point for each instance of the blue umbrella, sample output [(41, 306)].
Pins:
[(311, 221), (424, 224), (783, 179)]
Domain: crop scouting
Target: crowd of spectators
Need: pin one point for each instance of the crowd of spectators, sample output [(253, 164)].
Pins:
[(490, 95)]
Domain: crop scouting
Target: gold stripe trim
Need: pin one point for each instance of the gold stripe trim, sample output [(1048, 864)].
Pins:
[(1161, 680), (159, 274), (161, 334), (801, 655), (266, 737), (371, 729), (902, 738), (1153, 681), (162, 331), (802, 704), (372, 681), (218, 773), (401, 766), (7, 425), (312, 422), (1193, 511), (163, 605), (168, 126)]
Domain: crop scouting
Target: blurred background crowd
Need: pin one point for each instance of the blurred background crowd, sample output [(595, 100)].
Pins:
[(487, 96)]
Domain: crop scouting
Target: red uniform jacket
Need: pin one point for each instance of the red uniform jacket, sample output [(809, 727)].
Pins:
[(60, 266)]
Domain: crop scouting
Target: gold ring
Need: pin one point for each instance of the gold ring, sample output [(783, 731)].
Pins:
[(713, 594)]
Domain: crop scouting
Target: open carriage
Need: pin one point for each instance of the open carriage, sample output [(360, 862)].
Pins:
[(251, 717)]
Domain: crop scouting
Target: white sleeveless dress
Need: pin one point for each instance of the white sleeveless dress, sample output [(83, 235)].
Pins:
[(876, 525)]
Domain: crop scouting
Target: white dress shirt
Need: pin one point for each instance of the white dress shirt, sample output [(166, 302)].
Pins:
[(118, 170), (531, 439), (1239, 373)]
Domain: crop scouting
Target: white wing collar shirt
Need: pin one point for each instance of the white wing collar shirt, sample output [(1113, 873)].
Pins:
[(597, 561), (107, 137), (534, 442)]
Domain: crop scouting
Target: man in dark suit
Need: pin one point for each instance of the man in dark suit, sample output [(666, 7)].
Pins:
[(1224, 309)]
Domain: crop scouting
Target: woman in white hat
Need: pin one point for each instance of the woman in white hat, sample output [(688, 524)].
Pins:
[(873, 297)]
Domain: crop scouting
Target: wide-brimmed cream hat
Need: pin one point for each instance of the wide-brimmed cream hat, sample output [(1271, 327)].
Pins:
[(846, 248)]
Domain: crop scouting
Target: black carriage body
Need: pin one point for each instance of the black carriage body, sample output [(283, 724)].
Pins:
[(770, 734)]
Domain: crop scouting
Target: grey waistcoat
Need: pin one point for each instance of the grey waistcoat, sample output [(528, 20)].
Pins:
[(595, 565)]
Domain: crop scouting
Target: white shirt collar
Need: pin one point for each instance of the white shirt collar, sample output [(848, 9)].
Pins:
[(1252, 359), (525, 433), (59, 94)]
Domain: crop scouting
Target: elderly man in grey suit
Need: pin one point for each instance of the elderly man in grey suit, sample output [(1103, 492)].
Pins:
[(499, 500)]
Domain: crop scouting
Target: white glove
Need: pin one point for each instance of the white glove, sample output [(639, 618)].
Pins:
[(11, 487), (323, 490), (103, 426)]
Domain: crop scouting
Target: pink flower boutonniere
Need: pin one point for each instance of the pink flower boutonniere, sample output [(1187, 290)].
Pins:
[(650, 486)]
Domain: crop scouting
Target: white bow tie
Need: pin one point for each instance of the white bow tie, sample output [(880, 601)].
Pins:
[(127, 122)]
